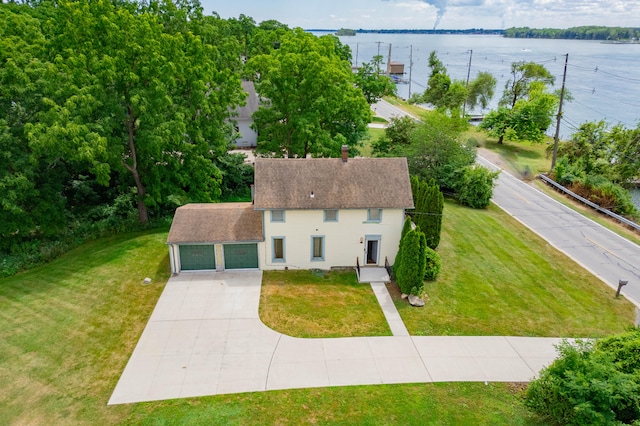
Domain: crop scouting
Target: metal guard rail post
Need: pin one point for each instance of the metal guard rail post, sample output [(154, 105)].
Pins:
[(589, 203)]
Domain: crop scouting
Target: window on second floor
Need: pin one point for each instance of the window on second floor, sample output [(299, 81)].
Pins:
[(277, 215), (374, 215), (331, 215)]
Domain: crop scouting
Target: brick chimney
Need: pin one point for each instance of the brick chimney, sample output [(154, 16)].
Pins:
[(345, 153)]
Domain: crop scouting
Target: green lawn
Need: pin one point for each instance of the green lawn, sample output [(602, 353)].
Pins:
[(365, 148), (518, 156), (69, 327), (412, 109), (303, 304), (499, 278)]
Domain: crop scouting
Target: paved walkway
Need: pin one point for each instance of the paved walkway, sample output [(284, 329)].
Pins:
[(205, 338)]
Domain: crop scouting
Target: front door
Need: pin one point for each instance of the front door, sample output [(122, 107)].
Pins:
[(372, 250)]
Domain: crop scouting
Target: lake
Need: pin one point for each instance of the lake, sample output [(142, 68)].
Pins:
[(604, 79)]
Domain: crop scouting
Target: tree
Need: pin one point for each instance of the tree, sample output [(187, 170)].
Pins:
[(475, 187), (481, 90), (397, 136), (443, 93), (310, 104), (373, 84), (437, 150), (429, 204), (526, 120), (143, 94), (523, 74), (411, 270)]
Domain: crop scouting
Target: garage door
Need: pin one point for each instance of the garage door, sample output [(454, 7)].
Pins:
[(193, 258), (240, 256)]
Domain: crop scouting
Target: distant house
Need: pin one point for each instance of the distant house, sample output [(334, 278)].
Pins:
[(307, 213), (246, 137)]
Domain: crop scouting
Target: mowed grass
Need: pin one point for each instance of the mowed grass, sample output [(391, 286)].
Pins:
[(437, 404), (303, 304), (499, 278), (68, 328), (519, 156), (365, 148)]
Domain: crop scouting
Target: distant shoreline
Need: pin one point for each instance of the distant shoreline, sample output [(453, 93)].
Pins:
[(478, 31)]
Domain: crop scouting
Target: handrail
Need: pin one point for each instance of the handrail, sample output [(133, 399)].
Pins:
[(387, 266), (589, 203)]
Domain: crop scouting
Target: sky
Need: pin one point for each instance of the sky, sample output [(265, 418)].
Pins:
[(427, 14)]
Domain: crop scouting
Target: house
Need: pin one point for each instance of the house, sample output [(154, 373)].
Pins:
[(245, 136), (306, 213)]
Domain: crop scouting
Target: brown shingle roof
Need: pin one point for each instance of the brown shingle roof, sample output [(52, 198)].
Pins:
[(282, 183), (215, 223)]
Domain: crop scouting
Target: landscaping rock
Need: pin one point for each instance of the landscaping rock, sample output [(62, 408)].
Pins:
[(415, 301), (147, 280), (404, 296)]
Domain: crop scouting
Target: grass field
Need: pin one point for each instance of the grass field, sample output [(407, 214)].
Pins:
[(501, 279), (69, 327)]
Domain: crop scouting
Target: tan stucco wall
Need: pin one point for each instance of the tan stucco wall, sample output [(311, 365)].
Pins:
[(342, 238)]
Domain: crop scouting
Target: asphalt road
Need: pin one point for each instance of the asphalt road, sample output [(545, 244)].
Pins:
[(602, 252)]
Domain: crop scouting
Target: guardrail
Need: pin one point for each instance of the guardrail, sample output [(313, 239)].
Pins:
[(589, 203)]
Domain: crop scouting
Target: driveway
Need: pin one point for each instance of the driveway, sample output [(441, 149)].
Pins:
[(205, 338)]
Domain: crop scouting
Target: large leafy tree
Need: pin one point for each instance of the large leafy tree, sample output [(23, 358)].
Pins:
[(481, 90), (373, 84), (31, 203), (526, 120), (523, 74), (449, 95), (143, 92), (310, 104)]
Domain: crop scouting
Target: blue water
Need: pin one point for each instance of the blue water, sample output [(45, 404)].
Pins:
[(603, 79)]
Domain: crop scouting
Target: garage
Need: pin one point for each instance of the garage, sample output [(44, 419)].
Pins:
[(215, 236), (197, 257), (240, 256)]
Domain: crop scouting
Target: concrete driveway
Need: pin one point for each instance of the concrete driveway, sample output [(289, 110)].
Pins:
[(205, 338)]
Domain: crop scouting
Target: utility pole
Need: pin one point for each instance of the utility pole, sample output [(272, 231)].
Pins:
[(559, 116), (410, 67), (379, 43), (389, 61), (357, 48), (464, 107)]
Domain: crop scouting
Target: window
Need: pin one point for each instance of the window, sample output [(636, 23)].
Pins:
[(374, 215), (278, 249), (277, 215), (317, 248), (331, 215)]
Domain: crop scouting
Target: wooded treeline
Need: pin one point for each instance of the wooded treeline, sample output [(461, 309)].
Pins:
[(114, 113), (579, 33)]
